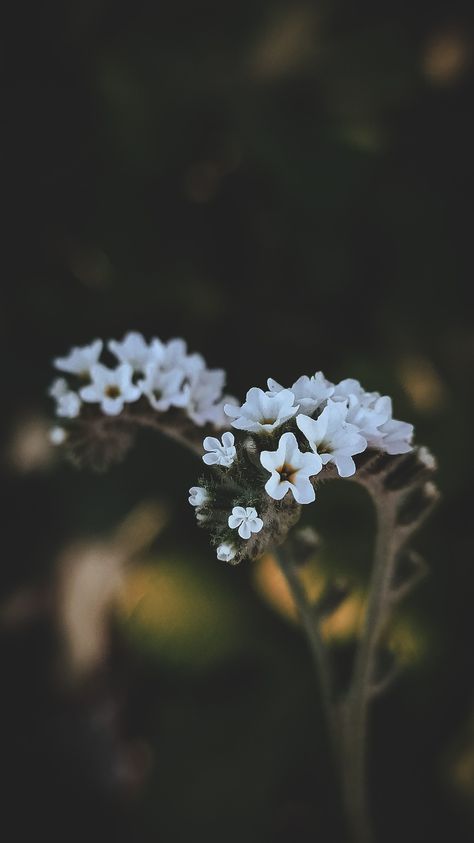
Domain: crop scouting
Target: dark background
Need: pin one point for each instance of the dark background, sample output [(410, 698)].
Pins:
[(288, 186)]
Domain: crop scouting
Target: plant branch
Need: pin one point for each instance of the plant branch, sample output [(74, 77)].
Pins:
[(310, 622)]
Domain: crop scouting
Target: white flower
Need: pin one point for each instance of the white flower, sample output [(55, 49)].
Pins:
[(171, 354), (262, 412), (220, 453), (332, 438), (134, 349), (215, 413), (68, 406), (310, 393), (58, 388), (57, 435), (174, 355), (111, 388), (290, 470), (372, 415), (163, 389), (205, 394), (350, 386), (396, 437), (68, 403), (197, 496), (226, 552), (246, 520), (368, 413), (80, 359)]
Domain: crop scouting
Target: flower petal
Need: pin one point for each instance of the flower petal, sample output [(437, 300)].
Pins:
[(228, 439), (211, 444), (244, 530), (303, 490), (276, 488)]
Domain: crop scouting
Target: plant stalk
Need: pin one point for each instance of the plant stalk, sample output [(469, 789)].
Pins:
[(310, 621), (354, 732)]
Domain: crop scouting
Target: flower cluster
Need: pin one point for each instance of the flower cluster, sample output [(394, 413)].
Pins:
[(159, 375), (286, 440)]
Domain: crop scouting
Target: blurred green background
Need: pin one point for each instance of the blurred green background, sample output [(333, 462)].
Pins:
[(287, 185)]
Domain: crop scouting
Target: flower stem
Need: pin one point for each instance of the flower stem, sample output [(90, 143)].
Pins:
[(310, 621), (347, 721), (354, 731)]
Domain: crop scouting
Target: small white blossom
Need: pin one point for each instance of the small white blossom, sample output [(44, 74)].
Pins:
[(226, 552), (68, 406), (310, 392), (262, 412), (133, 349), (246, 520), (368, 413), (220, 453), (350, 386), (68, 403), (215, 413), (57, 435), (173, 354), (290, 470), (371, 413), (58, 388), (80, 359), (163, 389), (197, 496), (205, 394), (396, 437), (332, 438), (111, 388)]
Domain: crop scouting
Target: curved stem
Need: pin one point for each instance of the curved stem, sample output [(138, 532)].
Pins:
[(184, 433), (354, 731), (309, 620)]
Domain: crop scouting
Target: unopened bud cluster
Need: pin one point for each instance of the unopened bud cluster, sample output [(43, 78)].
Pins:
[(285, 441)]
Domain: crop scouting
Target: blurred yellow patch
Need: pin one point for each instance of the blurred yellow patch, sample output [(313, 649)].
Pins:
[(169, 608), (405, 640), (446, 56), (422, 383)]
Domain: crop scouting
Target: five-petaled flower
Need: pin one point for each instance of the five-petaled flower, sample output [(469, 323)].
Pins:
[(290, 470), (80, 359), (226, 552), (111, 388), (163, 389), (245, 520), (332, 438), (220, 453), (262, 412), (133, 349)]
